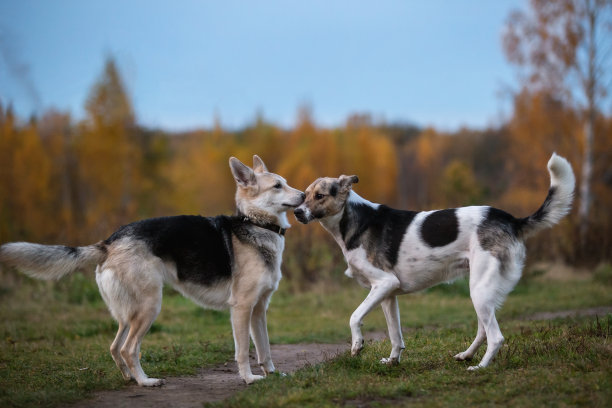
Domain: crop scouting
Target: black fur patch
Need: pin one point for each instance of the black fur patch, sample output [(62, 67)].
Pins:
[(200, 247), (379, 230), (544, 209), (496, 233), (251, 234), (497, 229), (440, 228), (71, 251), (333, 190)]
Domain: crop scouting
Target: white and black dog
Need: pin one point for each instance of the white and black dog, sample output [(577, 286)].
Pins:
[(395, 252), (218, 262)]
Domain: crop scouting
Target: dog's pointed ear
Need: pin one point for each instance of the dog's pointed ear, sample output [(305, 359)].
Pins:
[(242, 173), (258, 165), (346, 182)]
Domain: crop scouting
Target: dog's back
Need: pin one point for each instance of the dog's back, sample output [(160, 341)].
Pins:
[(200, 248)]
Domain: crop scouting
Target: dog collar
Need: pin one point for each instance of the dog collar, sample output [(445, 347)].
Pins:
[(269, 226)]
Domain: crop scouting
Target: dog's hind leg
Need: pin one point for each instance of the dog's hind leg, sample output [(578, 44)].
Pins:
[(110, 291), (391, 311), (259, 333), (115, 350), (492, 277), (480, 338), (139, 326), (485, 308)]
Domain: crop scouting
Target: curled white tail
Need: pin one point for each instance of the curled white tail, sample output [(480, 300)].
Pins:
[(50, 262), (558, 202)]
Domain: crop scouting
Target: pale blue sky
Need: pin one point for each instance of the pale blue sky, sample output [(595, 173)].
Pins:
[(430, 62)]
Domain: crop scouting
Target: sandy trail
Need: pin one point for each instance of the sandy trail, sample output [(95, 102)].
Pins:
[(212, 383)]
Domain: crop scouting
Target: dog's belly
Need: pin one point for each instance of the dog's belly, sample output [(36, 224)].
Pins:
[(417, 273), (212, 296)]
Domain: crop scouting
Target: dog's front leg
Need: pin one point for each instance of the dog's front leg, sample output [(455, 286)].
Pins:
[(259, 333), (380, 290), (391, 310), (241, 320)]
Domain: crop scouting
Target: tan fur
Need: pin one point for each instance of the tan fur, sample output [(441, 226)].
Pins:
[(320, 198), (131, 277)]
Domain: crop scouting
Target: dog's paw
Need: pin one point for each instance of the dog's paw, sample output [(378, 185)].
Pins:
[(267, 368), (128, 377), (474, 368), (391, 361), (463, 356), (357, 347), (152, 382), (252, 378)]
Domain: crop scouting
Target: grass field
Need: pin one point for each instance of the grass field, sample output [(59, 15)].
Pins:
[(55, 339)]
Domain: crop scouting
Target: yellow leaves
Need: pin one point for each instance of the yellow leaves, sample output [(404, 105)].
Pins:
[(25, 185), (427, 148), (199, 175), (522, 201), (459, 186), (541, 125)]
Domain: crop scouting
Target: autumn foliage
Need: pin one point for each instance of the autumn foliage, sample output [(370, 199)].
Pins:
[(75, 183)]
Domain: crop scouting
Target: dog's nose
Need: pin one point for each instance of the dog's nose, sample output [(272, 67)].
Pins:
[(298, 212), (302, 197)]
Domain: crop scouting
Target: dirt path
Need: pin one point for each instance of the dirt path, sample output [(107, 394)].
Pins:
[(212, 383), (592, 311), (220, 382)]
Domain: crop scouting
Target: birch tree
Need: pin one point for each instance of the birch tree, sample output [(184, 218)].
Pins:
[(564, 47)]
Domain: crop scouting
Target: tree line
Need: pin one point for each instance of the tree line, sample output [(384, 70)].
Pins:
[(75, 182)]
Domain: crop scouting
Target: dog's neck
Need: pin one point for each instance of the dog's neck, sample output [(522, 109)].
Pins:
[(355, 198), (332, 223), (263, 218)]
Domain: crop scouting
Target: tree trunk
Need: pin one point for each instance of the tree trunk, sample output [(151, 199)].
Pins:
[(585, 180), (589, 132)]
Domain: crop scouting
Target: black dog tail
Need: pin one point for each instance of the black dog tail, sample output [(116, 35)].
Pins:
[(50, 262), (558, 202)]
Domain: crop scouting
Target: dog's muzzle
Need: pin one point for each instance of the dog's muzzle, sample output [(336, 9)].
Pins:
[(301, 198), (300, 215)]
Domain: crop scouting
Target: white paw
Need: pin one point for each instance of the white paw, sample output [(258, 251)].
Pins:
[(152, 382), (463, 356), (252, 378), (391, 361), (267, 368), (474, 368), (357, 347), (277, 374)]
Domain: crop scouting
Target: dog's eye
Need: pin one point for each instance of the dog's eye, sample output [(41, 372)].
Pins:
[(318, 196), (278, 185)]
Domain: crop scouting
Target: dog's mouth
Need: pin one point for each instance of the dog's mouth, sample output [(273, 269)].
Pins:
[(300, 215), (289, 205)]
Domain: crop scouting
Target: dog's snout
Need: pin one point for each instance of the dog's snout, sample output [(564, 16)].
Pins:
[(300, 215)]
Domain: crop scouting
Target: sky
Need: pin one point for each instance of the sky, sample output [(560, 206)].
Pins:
[(187, 63)]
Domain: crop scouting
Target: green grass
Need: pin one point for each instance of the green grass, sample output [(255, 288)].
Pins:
[(562, 363), (55, 338)]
